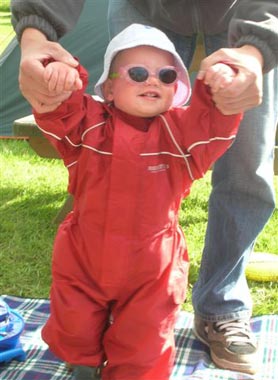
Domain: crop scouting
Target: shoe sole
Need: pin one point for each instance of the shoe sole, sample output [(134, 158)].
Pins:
[(224, 364)]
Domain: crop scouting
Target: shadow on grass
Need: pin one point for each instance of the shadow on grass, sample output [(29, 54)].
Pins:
[(30, 203), (27, 232), (27, 222)]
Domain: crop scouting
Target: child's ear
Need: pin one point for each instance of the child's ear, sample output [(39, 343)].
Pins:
[(107, 90)]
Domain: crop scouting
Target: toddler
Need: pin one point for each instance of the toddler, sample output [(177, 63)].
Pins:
[(120, 261)]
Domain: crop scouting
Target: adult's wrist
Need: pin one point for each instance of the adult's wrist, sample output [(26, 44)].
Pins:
[(36, 23), (259, 48), (253, 51), (31, 35)]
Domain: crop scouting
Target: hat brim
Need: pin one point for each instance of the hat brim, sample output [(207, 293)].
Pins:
[(138, 35)]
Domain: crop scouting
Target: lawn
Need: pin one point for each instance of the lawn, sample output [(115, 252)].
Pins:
[(33, 189)]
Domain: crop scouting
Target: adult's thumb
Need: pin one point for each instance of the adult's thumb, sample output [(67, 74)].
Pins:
[(62, 55), (207, 62)]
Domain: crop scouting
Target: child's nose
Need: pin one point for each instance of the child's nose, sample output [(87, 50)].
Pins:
[(152, 79)]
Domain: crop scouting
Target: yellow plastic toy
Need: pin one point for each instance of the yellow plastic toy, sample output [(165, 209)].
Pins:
[(263, 267)]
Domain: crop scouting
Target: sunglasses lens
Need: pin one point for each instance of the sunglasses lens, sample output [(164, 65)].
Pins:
[(138, 74), (167, 76)]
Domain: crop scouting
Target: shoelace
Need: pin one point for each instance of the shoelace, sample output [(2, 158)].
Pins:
[(237, 332)]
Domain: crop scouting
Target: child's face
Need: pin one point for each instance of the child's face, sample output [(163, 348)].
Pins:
[(148, 98)]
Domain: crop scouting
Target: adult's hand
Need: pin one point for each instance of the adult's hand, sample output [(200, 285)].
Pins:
[(35, 49), (245, 91)]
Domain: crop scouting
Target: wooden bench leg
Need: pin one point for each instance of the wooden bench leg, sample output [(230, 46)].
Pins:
[(65, 209)]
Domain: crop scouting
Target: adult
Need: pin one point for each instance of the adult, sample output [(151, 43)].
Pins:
[(245, 33)]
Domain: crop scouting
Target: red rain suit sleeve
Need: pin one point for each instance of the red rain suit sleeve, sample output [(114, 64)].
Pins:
[(64, 126), (205, 133)]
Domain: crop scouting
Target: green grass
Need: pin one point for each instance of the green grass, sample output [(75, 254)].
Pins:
[(33, 189)]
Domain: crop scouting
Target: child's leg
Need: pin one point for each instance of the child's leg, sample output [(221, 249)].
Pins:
[(140, 347), (77, 321), (75, 328), (139, 344)]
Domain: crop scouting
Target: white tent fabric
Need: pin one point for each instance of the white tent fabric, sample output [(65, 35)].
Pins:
[(87, 41)]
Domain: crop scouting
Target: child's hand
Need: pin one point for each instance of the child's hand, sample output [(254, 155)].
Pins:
[(62, 77), (219, 76)]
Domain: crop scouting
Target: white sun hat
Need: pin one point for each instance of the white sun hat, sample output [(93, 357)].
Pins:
[(138, 35)]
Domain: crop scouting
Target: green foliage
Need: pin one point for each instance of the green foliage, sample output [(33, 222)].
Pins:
[(6, 34), (33, 189), (6, 30), (5, 5)]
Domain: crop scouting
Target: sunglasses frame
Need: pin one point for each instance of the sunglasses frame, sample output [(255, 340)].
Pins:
[(124, 73)]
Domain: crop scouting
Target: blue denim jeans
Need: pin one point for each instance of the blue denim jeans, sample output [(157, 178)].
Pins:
[(242, 196)]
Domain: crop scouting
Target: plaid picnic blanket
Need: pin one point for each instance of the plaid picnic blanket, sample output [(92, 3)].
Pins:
[(192, 360)]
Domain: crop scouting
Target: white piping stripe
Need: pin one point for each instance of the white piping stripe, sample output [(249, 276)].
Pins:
[(67, 138), (71, 143), (50, 134), (168, 153), (71, 164), (177, 146), (210, 140), (92, 127), (96, 150)]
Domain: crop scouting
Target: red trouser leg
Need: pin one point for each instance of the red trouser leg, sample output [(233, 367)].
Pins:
[(77, 322), (76, 326), (140, 343)]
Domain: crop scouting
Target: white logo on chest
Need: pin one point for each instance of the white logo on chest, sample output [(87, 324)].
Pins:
[(158, 168)]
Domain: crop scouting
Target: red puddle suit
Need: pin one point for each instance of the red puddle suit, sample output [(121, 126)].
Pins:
[(120, 262)]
